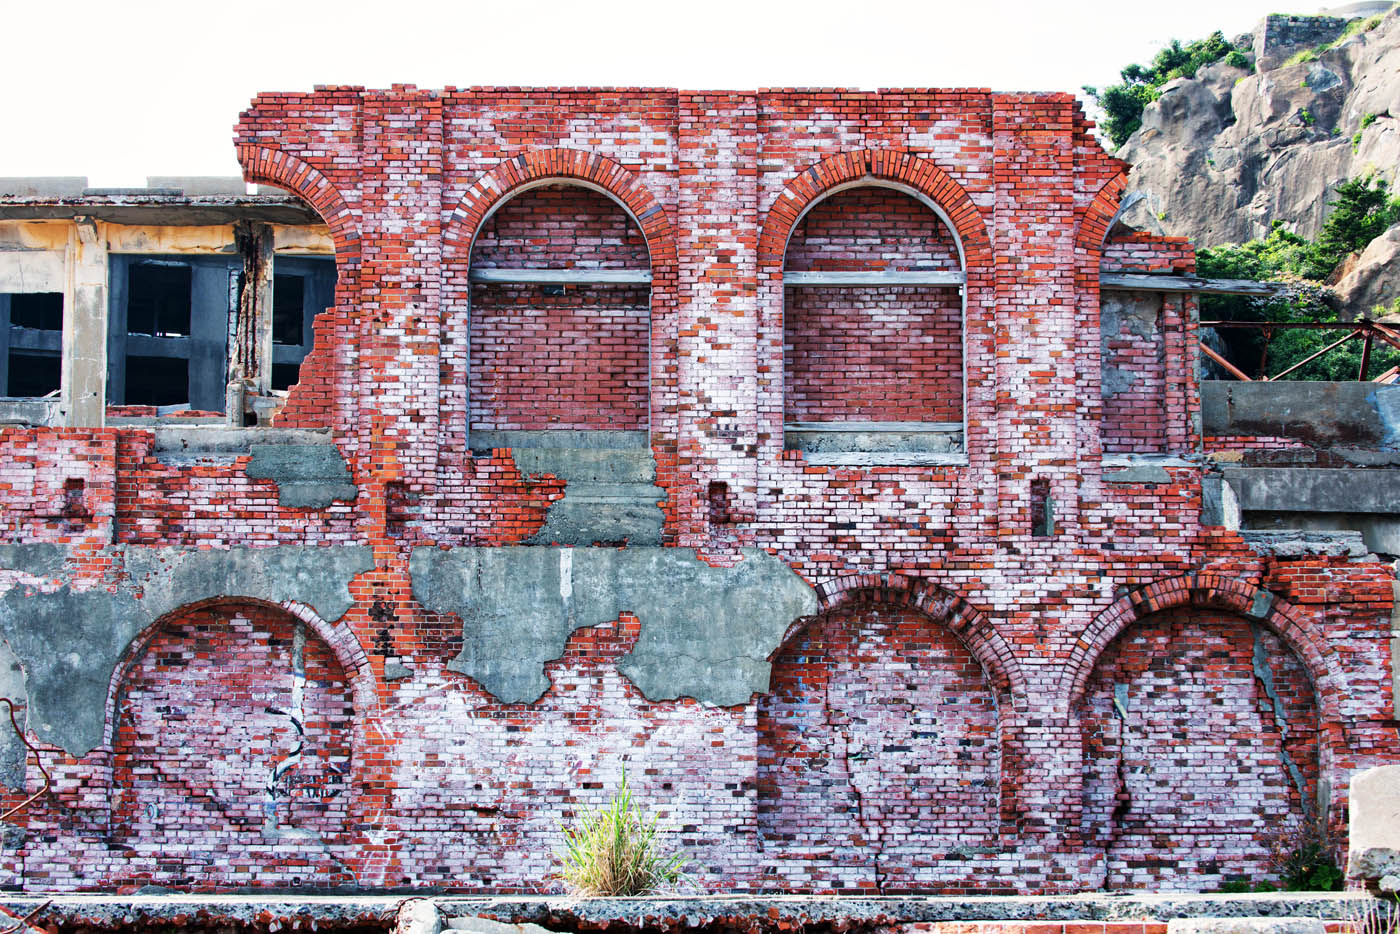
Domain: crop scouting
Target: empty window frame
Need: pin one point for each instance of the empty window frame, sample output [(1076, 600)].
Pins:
[(170, 318), (302, 288), (167, 334), (31, 343)]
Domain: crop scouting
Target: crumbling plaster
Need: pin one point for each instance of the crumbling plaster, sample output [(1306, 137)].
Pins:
[(706, 633), (70, 641)]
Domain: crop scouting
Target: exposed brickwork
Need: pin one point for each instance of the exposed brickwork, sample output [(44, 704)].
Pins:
[(964, 642), (879, 759), (1188, 766)]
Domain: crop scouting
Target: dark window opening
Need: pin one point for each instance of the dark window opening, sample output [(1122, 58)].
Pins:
[(1042, 509), (157, 381), (158, 300), (284, 375), (288, 297), (33, 374), (42, 311)]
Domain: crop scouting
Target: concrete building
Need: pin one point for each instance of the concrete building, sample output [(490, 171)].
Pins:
[(828, 461)]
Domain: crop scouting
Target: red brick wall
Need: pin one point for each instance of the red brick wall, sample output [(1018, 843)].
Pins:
[(452, 787), (872, 353), (1193, 787), (879, 761)]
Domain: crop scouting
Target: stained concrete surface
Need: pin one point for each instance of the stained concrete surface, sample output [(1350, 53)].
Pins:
[(706, 632), (1328, 414)]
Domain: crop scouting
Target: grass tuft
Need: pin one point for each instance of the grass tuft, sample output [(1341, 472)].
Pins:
[(614, 851)]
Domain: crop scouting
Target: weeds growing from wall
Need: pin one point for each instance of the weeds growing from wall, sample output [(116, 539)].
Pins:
[(615, 851)]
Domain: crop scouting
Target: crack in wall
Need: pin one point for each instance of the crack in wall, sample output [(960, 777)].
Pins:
[(1122, 797), (843, 744), (1264, 675)]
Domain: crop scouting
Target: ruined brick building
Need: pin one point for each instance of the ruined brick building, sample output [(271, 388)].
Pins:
[(827, 460)]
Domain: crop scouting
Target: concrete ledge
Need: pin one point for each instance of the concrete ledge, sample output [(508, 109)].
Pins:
[(1310, 489), (758, 913), (1246, 926), (29, 413), (909, 441)]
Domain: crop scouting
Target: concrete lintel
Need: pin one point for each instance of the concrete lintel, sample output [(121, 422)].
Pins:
[(1124, 282), (1151, 474), (937, 278), (561, 276)]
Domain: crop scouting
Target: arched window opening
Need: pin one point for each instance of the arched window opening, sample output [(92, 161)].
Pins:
[(873, 329), (560, 317), (1201, 753)]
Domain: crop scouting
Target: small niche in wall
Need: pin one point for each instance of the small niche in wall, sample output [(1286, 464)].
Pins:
[(1042, 509)]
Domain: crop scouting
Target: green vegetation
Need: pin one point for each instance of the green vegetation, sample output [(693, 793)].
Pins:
[(1366, 120), (1353, 28), (614, 851), (1363, 209), (1307, 116), (1123, 103)]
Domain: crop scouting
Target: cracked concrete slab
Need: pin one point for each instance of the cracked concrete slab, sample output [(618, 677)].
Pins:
[(706, 632)]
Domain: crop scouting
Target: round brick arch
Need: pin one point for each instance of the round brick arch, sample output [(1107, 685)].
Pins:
[(969, 624), (1098, 217), (896, 166), (542, 166), (269, 166), (337, 636), (1213, 591)]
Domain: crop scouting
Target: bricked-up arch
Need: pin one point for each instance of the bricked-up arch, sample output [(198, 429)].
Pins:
[(487, 194), (872, 353), (338, 637), (1201, 748), (545, 165), (928, 183), (1215, 591), (235, 717), (940, 606), (880, 745), (574, 357)]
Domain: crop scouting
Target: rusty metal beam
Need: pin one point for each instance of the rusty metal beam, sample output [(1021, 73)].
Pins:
[(1229, 367)]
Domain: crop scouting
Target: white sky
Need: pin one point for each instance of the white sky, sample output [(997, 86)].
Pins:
[(121, 89)]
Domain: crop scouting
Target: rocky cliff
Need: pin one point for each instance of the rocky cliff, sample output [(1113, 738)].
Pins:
[(1221, 156)]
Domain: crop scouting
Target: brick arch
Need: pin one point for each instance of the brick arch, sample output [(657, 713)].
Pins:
[(337, 636), (275, 167), (969, 624), (1214, 591), (529, 169), (890, 165), (1098, 217)]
